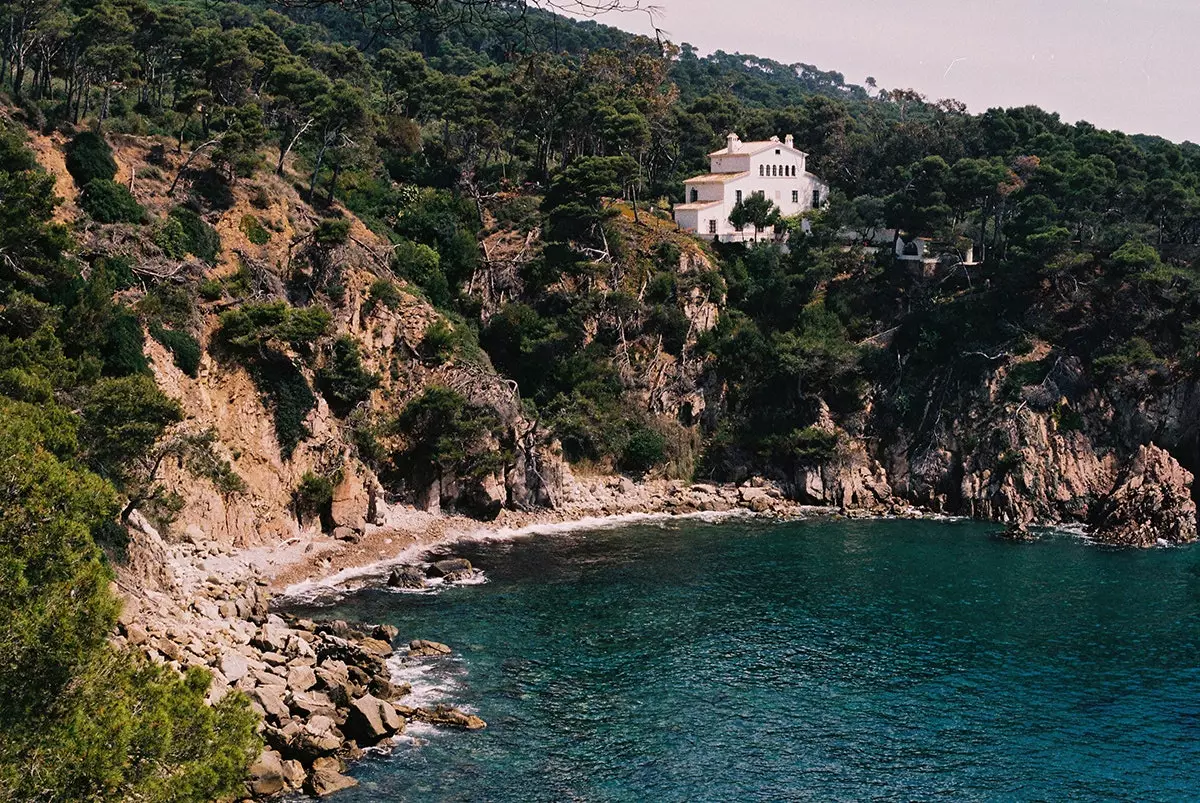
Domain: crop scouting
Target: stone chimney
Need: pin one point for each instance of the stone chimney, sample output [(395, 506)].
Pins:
[(731, 142), (790, 141)]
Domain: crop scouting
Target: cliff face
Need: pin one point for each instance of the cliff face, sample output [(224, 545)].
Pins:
[(1053, 451)]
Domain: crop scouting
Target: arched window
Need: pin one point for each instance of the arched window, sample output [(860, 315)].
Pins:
[(774, 170), (762, 170), (793, 171)]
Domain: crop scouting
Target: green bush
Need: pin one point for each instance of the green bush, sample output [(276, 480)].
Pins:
[(109, 202), (382, 291), (252, 327), (288, 396), (184, 348), (254, 230), (645, 449), (171, 238), (343, 380), (446, 434), (439, 344), (332, 231), (89, 158), (199, 239), (211, 290), (314, 497)]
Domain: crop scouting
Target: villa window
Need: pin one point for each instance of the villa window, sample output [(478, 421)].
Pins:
[(816, 199), (762, 170), (777, 151), (712, 227), (795, 196), (739, 196), (774, 170), (793, 171), (695, 195)]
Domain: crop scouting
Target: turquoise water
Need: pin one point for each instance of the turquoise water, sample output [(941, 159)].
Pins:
[(822, 660)]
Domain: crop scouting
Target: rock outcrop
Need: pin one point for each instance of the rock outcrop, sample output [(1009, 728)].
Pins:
[(1151, 504)]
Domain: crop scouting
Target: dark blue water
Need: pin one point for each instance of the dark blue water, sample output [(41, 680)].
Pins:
[(823, 660)]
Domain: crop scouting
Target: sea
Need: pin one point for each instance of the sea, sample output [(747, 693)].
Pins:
[(822, 659)]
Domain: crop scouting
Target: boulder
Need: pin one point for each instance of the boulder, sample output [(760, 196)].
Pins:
[(444, 567), (376, 647), (420, 648), (460, 576), (319, 737), (409, 577), (385, 689), (234, 666), (136, 634), (311, 703), (271, 700), (386, 633), (346, 534), (267, 776), (301, 678), (326, 778), (371, 720)]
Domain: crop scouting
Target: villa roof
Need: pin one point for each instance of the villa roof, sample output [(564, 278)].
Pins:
[(696, 207), (717, 178), (751, 148)]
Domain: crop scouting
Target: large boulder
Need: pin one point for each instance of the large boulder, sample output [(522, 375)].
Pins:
[(319, 737), (267, 776), (371, 720), (326, 778), (301, 678), (1150, 504)]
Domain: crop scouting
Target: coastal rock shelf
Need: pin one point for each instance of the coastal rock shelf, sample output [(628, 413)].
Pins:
[(324, 691)]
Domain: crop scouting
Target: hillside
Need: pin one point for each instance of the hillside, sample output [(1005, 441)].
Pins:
[(282, 295)]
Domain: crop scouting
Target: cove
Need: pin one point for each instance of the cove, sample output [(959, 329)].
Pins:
[(812, 660)]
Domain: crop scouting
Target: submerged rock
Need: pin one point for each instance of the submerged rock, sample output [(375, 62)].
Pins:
[(448, 717), (407, 577), (449, 566), (420, 648)]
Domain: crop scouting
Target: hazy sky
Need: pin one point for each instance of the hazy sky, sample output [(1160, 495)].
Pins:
[(1124, 64)]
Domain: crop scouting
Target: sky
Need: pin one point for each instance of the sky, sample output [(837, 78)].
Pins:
[(1121, 64)]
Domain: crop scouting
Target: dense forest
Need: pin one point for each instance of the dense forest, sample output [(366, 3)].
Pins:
[(573, 137)]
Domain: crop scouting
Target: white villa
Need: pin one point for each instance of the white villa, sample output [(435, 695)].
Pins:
[(773, 168)]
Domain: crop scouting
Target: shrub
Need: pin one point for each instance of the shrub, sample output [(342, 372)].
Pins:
[(382, 291), (109, 202), (331, 232), (199, 239), (314, 497), (211, 290), (171, 238), (252, 327), (439, 344), (89, 158), (184, 348), (288, 396), (254, 230), (344, 381), (645, 449)]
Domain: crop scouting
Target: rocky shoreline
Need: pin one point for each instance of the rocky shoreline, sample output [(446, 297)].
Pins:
[(326, 691)]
